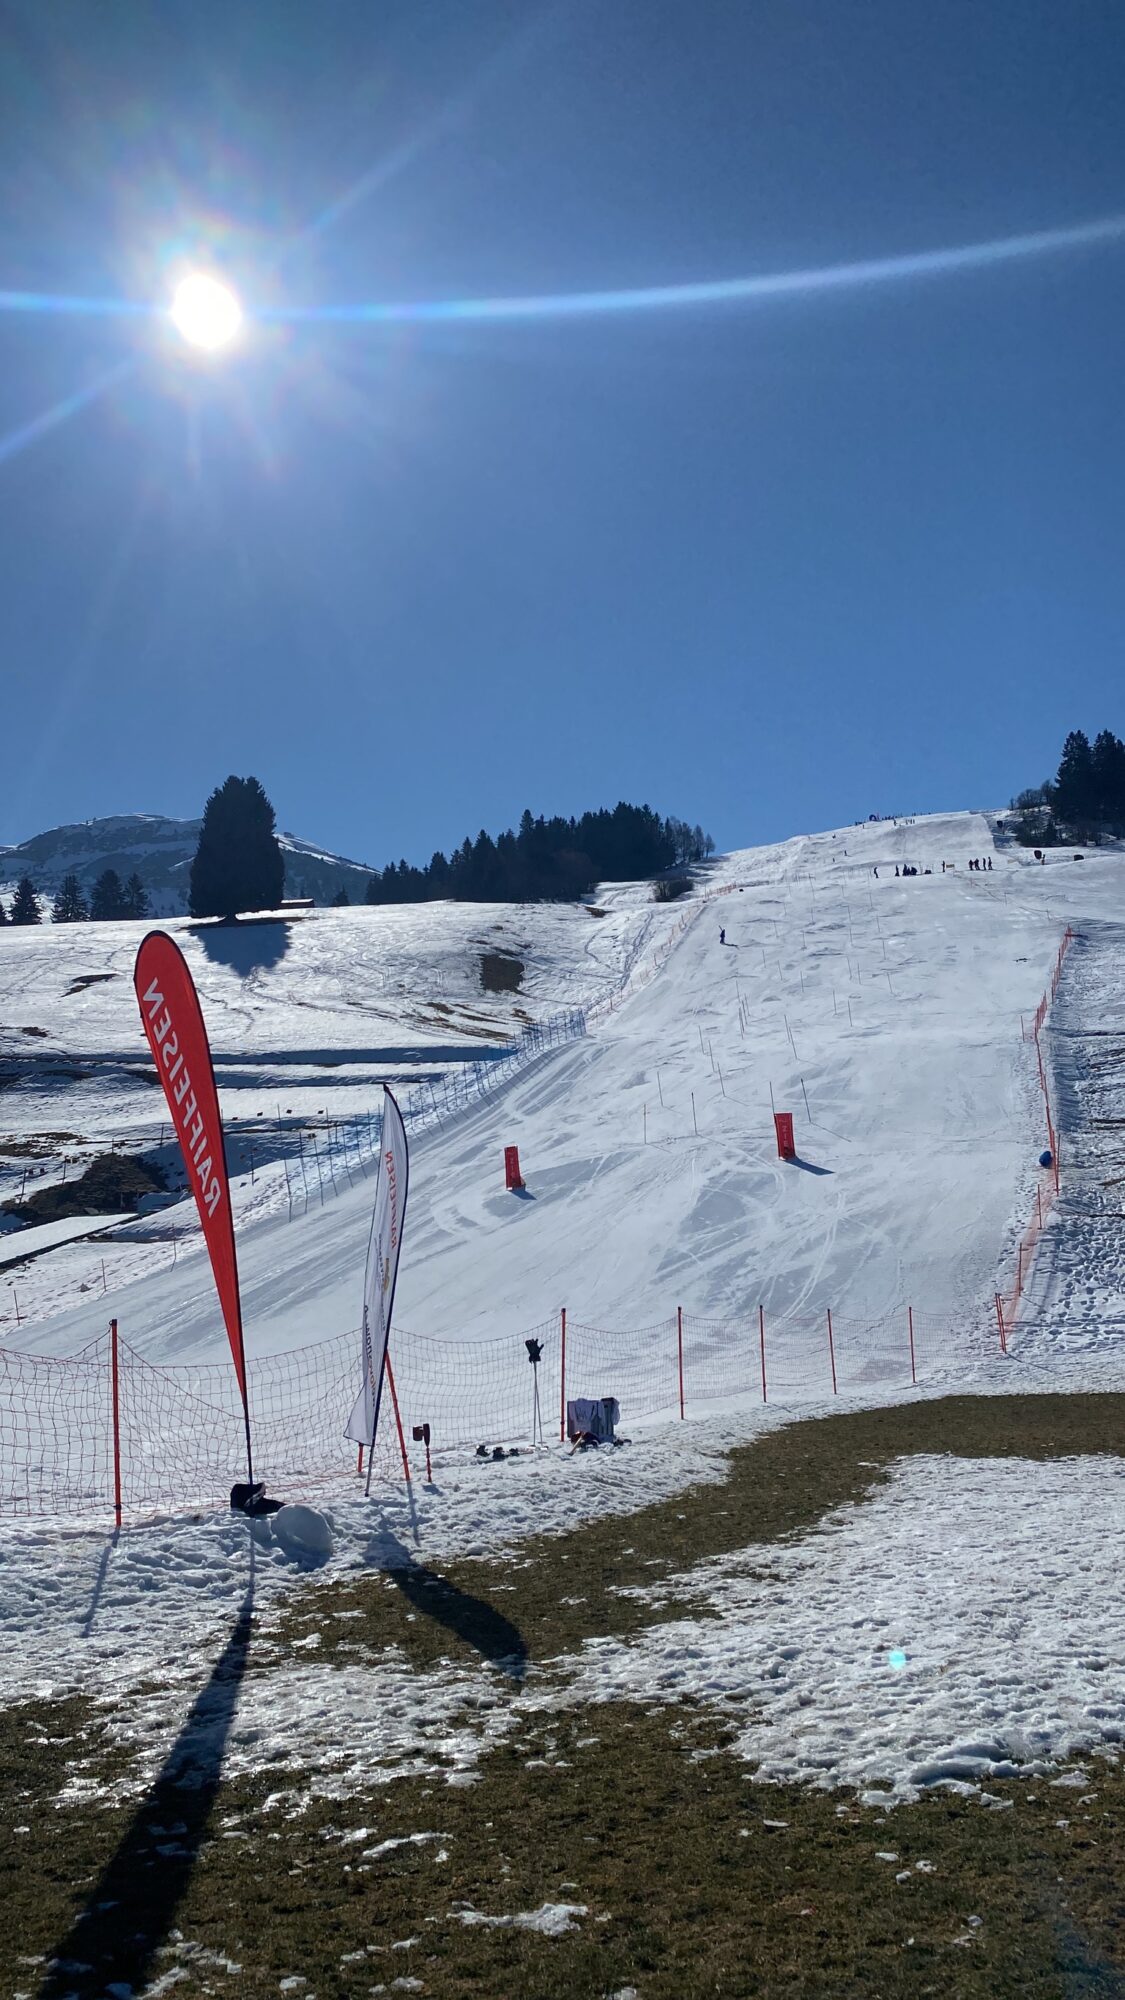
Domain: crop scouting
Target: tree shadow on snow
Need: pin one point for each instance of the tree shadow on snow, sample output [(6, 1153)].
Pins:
[(245, 947), (114, 1940)]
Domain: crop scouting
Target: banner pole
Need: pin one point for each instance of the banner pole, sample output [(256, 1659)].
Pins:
[(910, 1323), (116, 1423), (762, 1342), (832, 1353), (374, 1428)]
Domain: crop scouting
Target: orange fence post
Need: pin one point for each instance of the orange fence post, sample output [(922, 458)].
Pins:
[(832, 1353), (910, 1324), (562, 1392), (398, 1419), (680, 1352), (116, 1423), (762, 1340)]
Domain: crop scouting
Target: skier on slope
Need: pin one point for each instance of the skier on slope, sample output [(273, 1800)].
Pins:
[(722, 937)]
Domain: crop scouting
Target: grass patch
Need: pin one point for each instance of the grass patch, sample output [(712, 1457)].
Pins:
[(644, 1818), (500, 972), (111, 1183)]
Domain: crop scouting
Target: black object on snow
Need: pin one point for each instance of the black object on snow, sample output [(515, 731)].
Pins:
[(245, 1499)]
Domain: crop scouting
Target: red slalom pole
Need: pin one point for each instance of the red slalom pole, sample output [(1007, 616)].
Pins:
[(398, 1419), (562, 1391), (116, 1422), (762, 1342), (832, 1353), (1000, 1323)]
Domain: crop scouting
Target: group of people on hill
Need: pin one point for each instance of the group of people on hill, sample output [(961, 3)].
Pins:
[(982, 867)]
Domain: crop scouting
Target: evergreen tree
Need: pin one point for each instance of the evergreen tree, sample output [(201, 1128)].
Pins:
[(1108, 775), (341, 900), (1074, 799), (107, 899), (238, 863), (3, 914), (25, 906), (136, 897), (371, 893), (69, 906)]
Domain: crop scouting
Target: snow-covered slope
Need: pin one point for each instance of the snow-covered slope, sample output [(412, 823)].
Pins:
[(883, 1012), (160, 851)]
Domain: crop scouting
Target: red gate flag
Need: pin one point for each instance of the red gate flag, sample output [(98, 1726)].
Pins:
[(512, 1175), (783, 1125), (173, 1022)]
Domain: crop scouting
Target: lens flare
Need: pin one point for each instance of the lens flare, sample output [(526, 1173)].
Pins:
[(206, 312)]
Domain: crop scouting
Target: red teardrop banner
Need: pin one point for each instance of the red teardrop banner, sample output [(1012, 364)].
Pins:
[(173, 1022)]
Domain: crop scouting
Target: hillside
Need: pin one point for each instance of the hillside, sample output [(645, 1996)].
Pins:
[(889, 1007)]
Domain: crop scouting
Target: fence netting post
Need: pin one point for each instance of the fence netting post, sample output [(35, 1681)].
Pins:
[(116, 1422), (680, 1352)]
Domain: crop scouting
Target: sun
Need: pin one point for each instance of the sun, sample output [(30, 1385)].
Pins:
[(206, 312)]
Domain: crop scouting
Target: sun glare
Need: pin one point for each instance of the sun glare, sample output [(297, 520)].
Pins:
[(206, 312)]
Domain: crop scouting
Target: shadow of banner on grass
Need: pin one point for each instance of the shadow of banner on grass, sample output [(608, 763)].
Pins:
[(114, 1940)]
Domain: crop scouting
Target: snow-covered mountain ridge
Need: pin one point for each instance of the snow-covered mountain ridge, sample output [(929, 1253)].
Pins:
[(160, 850)]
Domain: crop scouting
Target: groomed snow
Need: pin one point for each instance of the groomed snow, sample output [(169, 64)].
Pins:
[(892, 1007)]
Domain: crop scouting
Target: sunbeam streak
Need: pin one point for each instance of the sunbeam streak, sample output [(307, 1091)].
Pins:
[(62, 303), (722, 291), (765, 287), (49, 420)]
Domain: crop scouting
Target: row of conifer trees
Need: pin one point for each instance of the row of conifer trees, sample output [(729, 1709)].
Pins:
[(110, 900)]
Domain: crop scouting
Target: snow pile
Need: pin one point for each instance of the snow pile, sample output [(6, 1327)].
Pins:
[(550, 1919)]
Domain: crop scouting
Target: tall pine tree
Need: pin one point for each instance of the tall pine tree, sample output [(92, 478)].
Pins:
[(69, 906), (107, 898), (1074, 786), (136, 897), (25, 906), (1108, 772), (238, 863)]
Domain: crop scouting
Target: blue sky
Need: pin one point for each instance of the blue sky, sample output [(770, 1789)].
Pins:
[(770, 565)]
